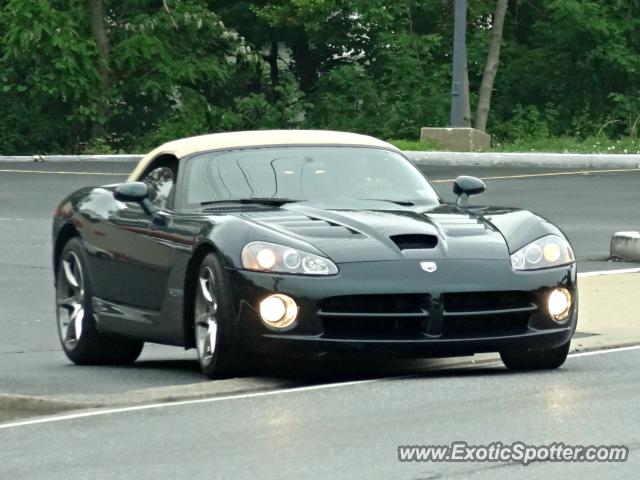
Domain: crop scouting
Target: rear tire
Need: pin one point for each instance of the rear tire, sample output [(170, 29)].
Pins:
[(542, 359), (80, 338), (218, 353)]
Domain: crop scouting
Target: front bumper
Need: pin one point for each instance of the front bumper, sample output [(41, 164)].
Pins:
[(455, 318)]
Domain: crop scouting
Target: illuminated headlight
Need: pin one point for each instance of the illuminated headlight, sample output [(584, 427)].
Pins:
[(278, 311), (269, 257), (546, 252), (559, 304)]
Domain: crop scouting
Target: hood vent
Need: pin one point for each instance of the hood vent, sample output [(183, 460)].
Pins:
[(415, 241), (303, 225)]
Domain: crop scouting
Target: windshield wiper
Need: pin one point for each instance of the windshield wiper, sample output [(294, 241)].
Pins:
[(257, 200), (404, 203)]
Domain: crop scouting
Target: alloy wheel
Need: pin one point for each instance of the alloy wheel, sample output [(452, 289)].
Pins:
[(70, 300), (206, 310)]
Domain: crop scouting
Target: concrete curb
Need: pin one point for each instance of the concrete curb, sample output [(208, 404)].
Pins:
[(69, 158), (626, 246), (554, 160), (13, 407), (486, 159)]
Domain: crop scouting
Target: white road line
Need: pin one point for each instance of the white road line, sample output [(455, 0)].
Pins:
[(602, 352), (96, 413), (609, 272), (155, 406)]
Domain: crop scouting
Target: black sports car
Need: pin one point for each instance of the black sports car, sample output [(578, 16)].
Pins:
[(304, 242)]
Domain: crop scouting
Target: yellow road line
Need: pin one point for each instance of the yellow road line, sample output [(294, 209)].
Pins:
[(46, 172), (550, 174)]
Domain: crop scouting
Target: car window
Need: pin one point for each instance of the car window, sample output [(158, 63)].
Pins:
[(161, 182)]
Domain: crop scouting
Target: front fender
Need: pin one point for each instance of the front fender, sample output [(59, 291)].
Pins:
[(520, 227)]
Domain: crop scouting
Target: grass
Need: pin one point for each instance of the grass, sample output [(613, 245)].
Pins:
[(555, 145)]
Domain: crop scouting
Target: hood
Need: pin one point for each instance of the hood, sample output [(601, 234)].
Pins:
[(382, 231)]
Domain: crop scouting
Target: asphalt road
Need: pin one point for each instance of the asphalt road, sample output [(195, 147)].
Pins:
[(351, 431), (588, 207), (347, 431)]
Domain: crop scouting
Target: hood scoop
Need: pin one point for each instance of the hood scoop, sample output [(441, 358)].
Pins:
[(456, 225), (415, 241)]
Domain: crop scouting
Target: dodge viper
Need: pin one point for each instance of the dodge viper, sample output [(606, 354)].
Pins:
[(248, 245)]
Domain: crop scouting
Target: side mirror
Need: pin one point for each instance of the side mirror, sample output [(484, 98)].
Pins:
[(464, 187), (131, 192), (137, 192)]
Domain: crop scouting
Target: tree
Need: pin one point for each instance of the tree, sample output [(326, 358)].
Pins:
[(101, 75), (99, 30), (50, 90), (491, 66)]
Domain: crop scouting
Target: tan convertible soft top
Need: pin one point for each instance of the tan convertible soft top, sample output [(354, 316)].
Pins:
[(259, 138)]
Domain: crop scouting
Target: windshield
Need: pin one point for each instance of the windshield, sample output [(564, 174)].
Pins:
[(305, 173)]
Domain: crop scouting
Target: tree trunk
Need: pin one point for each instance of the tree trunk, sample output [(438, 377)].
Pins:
[(272, 59), (304, 63), (466, 119), (491, 67), (414, 39), (98, 28)]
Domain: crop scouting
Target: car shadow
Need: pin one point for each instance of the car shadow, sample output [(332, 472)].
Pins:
[(353, 370), (318, 371), (186, 365)]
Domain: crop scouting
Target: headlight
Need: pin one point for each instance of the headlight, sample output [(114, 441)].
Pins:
[(546, 252), (269, 257)]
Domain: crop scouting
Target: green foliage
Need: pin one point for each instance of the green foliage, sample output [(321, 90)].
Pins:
[(416, 145), (625, 145), (572, 145), (569, 76), (48, 78), (581, 57)]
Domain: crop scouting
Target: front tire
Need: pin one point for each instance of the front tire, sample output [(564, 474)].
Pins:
[(541, 359), (218, 354), (80, 338)]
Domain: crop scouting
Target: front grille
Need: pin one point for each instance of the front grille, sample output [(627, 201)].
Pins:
[(373, 327), (486, 301), (364, 304), (375, 316), (459, 315), (478, 314), (469, 326)]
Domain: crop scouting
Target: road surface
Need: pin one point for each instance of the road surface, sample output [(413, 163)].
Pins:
[(317, 429)]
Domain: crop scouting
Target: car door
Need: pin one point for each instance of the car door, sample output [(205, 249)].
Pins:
[(134, 265)]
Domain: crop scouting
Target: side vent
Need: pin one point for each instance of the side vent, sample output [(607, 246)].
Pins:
[(415, 241)]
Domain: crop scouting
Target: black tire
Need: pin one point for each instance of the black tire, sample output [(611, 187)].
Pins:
[(79, 335), (219, 354), (543, 359)]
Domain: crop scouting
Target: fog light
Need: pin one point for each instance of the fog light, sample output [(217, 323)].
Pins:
[(278, 311), (559, 304)]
